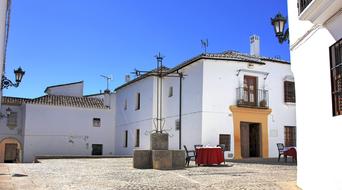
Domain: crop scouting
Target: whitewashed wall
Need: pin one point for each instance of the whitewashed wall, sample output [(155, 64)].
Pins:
[(132, 119), (67, 90), (318, 131), (54, 130), (219, 92), (192, 90), (16, 132)]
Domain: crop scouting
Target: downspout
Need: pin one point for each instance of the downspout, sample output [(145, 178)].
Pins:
[(180, 109)]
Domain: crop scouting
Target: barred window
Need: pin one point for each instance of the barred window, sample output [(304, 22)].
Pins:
[(336, 77), (289, 92), (225, 139), (290, 136), (12, 119)]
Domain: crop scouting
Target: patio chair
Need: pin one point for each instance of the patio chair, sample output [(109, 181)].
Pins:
[(223, 147), (280, 150), (188, 155)]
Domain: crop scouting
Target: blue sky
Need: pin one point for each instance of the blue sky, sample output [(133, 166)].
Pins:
[(62, 41)]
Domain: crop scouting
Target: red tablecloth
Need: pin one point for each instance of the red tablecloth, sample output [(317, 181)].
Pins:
[(208, 156), (290, 152)]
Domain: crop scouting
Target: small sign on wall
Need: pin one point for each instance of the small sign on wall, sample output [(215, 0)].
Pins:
[(274, 133)]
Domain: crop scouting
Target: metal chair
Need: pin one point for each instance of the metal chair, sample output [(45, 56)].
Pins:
[(280, 150), (223, 147), (188, 155)]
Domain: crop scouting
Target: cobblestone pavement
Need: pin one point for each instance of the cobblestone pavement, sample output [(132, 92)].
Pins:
[(118, 173)]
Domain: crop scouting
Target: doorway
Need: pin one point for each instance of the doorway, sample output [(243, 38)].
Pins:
[(11, 153), (250, 140)]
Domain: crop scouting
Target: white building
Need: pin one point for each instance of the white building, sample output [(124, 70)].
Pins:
[(62, 122), (222, 103), (316, 57)]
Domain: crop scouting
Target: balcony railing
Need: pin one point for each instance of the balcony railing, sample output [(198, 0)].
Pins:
[(302, 4), (254, 99)]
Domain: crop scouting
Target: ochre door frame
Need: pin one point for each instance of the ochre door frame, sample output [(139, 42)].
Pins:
[(251, 115)]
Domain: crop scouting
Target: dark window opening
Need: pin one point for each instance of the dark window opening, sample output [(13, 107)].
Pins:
[(137, 105), (126, 139), (137, 138), (96, 149)]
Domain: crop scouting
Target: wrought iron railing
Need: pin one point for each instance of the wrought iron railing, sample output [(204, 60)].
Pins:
[(249, 98), (302, 4)]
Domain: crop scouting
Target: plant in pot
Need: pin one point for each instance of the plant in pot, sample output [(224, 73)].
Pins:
[(263, 103)]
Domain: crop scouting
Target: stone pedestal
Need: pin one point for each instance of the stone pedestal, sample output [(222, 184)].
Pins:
[(159, 141), (142, 159), (178, 159), (159, 157), (162, 159)]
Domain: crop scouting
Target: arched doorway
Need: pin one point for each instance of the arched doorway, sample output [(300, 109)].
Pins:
[(10, 150)]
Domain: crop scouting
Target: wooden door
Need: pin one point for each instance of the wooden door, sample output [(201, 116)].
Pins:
[(254, 140), (250, 90), (10, 152), (244, 139)]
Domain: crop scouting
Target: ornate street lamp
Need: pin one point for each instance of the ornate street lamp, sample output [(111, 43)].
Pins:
[(8, 112), (278, 23), (5, 82)]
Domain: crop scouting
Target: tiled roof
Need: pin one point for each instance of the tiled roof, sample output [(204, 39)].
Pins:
[(227, 55), (13, 100), (57, 100)]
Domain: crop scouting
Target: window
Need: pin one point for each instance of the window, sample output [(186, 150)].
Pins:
[(336, 77), (125, 104), (177, 124), (12, 119), (171, 91), (126, 139), (96, 122), (96, 149), (289, 92), (137, 102), (290, 136), (137, 138), (225, 139)]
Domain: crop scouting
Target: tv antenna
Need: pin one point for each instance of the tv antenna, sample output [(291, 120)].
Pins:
[(205, 44), (108, 78)]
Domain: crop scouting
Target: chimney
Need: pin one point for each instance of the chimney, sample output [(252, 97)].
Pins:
[(127, 78), (254, 45)]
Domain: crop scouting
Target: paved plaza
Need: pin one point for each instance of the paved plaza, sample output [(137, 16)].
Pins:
[(118, 173)]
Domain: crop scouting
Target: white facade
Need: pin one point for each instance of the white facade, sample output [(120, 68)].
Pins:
[(312, 32), (59, 125), (56, 130), (72, 89), (208, 91)]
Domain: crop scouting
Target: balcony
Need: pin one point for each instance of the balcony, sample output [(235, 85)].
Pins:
[(252, 98), (302, 4), (318, 11)]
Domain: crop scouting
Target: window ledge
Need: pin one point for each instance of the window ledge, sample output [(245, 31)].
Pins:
[(290, 103)]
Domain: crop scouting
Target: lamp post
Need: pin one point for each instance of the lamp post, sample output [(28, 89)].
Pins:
[(278, 23), (5, 82)]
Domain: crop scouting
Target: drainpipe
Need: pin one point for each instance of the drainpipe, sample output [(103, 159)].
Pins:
[(180, 109)]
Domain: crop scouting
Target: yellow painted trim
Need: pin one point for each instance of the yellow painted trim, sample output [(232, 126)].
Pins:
[(252, 115)]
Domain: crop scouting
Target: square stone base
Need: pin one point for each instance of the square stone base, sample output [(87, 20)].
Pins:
[(159, 141), (142, 159), (162, 159), (178, 159)]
